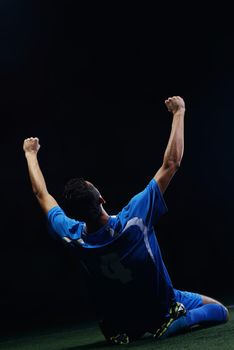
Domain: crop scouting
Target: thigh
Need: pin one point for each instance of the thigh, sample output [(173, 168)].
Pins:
[(208, 300), (189, 299)]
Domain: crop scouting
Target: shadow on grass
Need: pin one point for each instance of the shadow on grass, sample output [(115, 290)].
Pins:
[(140, 343), (97, 345), (217, 332)]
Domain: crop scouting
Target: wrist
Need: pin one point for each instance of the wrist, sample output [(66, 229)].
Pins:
[(30, 154), (180, 112)]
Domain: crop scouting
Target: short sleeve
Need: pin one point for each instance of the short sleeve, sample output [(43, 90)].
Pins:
[(148, 205), (61, 226)]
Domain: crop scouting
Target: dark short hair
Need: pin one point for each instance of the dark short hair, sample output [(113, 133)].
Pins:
[(81, 200)]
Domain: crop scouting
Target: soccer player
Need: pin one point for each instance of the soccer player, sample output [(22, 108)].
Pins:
[(127, 277)]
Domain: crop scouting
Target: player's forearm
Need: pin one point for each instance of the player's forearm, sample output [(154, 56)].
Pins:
[(175, 147), (35, 174)]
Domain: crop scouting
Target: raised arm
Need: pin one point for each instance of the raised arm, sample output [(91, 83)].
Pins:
[(175, 147), (31, 147)]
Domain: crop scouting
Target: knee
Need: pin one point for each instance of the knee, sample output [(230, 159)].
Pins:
[(223, 313), (207, 300), (226, 314)]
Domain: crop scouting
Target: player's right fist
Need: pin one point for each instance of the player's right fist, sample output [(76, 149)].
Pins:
[(174, 104), (31, 145)]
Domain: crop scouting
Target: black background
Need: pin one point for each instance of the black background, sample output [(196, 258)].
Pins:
[(90, 82)]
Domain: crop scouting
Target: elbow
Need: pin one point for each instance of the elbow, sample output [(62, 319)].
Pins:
[(173, 165), (38, 193), (177, 165)]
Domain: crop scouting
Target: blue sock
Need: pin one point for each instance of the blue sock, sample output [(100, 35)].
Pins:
[(177, 326), (205, 315), (208, 313)]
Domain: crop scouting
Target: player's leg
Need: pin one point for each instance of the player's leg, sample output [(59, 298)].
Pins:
[(210, 313), (201, 311), (216, 312), (208, 300), (194, 300)]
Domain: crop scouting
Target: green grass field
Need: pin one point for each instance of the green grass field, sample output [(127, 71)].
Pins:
[(87, 336)]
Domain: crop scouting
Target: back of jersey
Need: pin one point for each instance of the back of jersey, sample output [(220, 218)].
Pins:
[(123, 261), (128, 279)]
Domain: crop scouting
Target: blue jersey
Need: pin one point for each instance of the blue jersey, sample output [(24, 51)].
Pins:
[(123, 261)]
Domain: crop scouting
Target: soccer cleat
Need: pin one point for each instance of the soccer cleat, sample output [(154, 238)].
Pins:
[(111, 335), (174, 323), (119, 339)]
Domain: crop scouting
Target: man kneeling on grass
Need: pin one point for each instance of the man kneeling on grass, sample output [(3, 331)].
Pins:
[(127, 276)]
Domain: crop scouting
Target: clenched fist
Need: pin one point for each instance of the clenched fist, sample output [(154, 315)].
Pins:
[(31, 145), (175, 104)]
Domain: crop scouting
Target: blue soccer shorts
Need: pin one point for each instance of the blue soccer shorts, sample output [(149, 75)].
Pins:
[(188, 299)]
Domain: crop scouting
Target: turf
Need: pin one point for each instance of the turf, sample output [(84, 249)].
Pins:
[(87, 336)]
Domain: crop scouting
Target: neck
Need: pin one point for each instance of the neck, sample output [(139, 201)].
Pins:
[(93, 226)]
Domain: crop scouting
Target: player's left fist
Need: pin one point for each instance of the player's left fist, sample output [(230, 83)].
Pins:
[(31, 145), (175, 104)]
